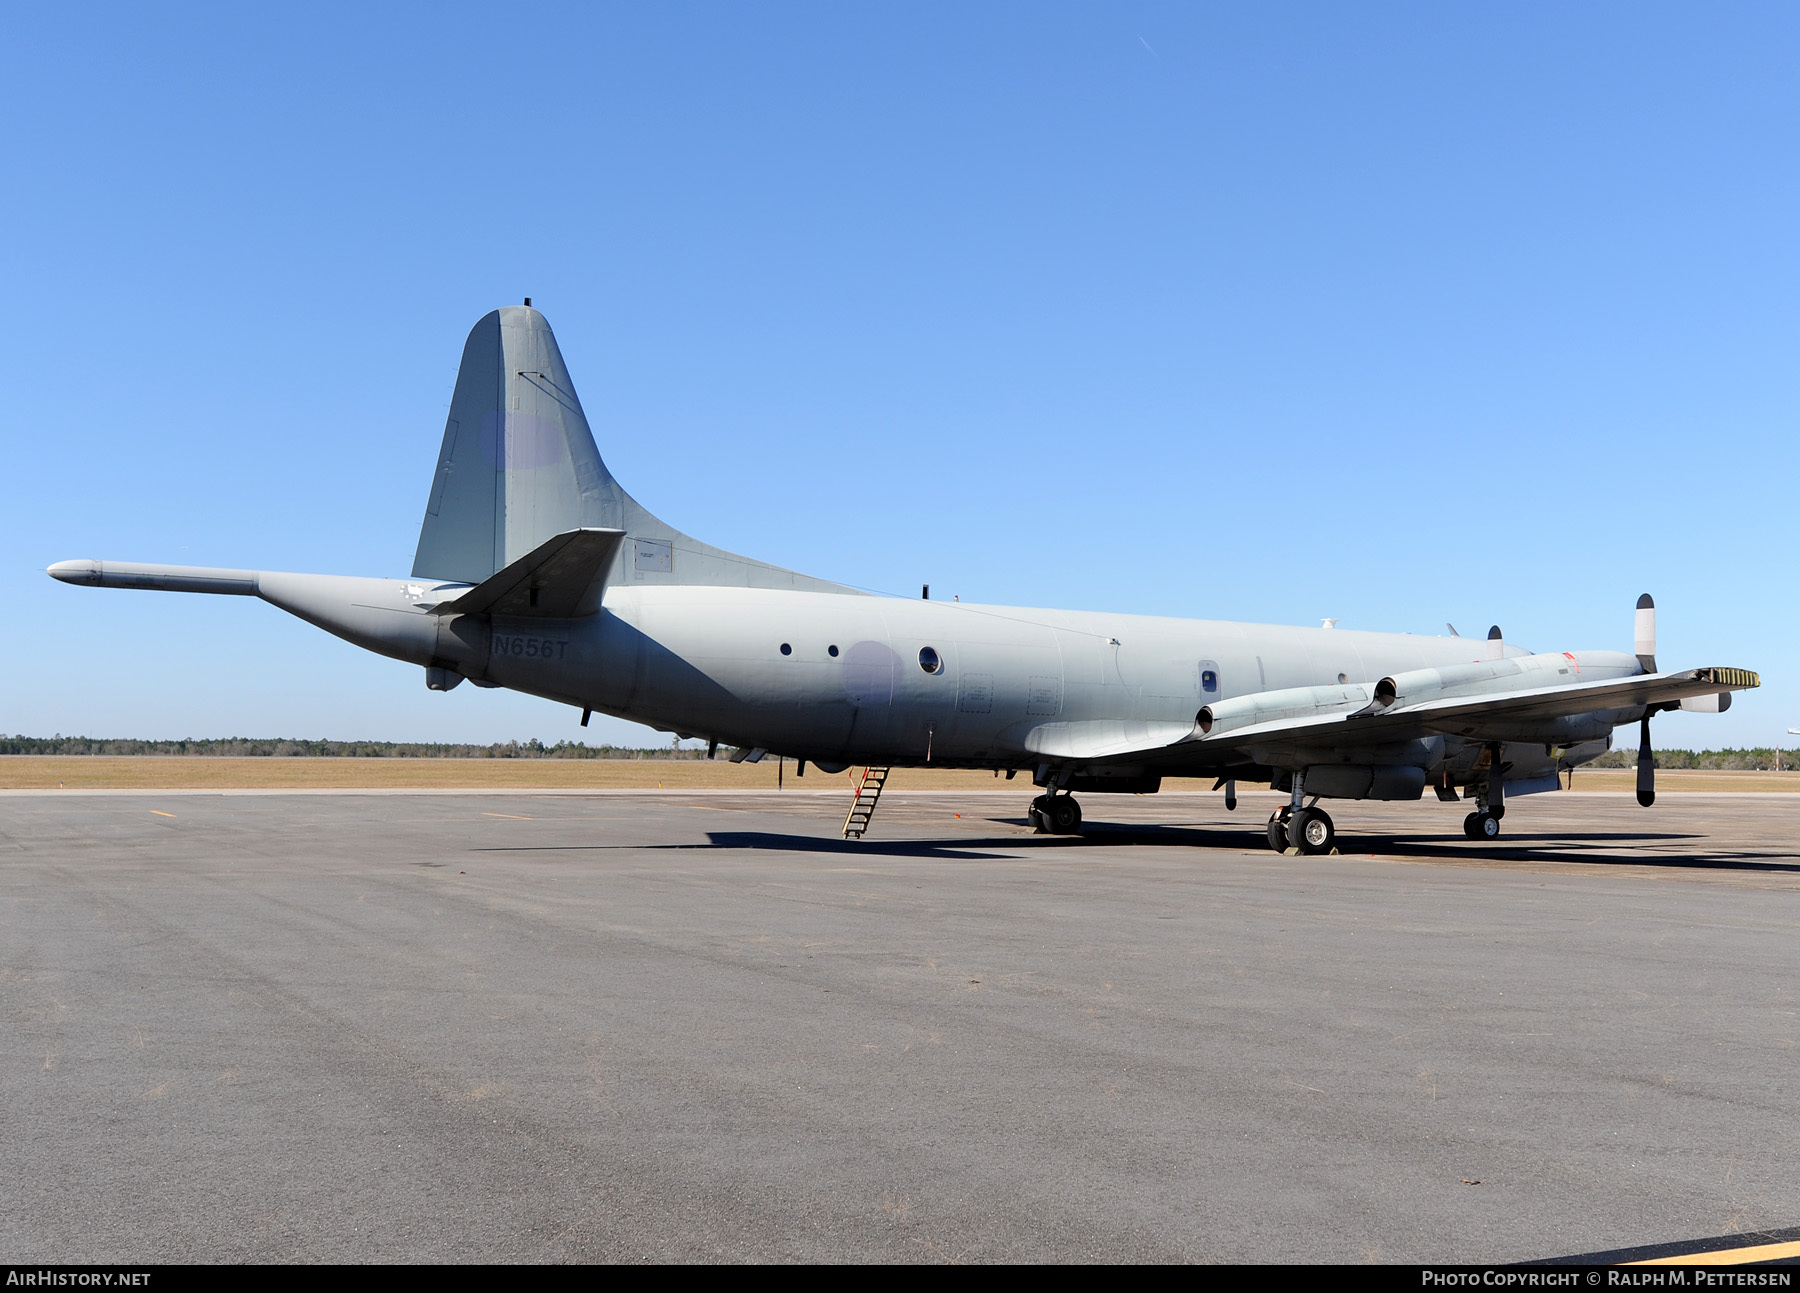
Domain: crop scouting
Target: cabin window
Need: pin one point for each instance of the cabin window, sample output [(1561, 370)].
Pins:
[(1209, 681), (832, 651), (787, 648), (928, 660)]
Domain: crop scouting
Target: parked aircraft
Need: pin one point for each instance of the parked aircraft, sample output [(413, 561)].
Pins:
[(536, 571)]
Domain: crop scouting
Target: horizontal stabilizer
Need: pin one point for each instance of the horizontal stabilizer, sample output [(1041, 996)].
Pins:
[(559, 579)]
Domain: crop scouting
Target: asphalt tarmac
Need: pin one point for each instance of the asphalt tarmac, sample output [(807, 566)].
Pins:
[(701, 1027)]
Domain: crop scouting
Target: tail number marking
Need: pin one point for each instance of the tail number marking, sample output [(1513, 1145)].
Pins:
[(530, 648)]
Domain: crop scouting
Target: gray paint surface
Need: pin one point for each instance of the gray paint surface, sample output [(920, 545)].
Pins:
[(537, 571), (699, 1027)]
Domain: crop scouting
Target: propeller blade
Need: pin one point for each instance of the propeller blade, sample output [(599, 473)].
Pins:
[(1645, 634), (1497, 783), (1646, 787)]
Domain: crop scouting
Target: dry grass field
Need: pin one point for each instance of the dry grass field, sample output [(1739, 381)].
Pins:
[(27, 772), (1679, 781), (150, 772)]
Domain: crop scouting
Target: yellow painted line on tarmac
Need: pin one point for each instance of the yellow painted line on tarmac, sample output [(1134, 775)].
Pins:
[(514, 816), (1727, 1256), (160, 813)]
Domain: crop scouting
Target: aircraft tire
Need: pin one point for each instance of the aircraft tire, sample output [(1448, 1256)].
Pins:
[(1064, 815), (1278, 833), (1481, 826), (1311, 831)]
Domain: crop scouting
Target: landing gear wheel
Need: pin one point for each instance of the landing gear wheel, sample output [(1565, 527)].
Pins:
[(1036, 815), (1278, 824), (1064, 815), (1311, 831), (1481, 826)]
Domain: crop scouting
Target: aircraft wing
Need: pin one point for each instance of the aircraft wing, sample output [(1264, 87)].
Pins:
[(1349, 716), (1454, 715), (1494, 715)]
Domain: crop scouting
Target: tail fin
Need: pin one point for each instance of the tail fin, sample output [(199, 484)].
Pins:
[(518, 464), (519, 467)]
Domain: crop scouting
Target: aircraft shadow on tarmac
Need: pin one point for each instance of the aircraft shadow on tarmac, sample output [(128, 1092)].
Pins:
[(958, 849), (1586, 848), (1595, 848), (1589, 848)]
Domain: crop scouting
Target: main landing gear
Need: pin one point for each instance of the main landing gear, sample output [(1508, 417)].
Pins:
[(1055, 814), (1482, 826), (1490, 796), (1308, 829), (1298, 827)]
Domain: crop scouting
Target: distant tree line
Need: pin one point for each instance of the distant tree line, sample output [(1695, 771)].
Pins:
[(244, 747), (1757, 760)]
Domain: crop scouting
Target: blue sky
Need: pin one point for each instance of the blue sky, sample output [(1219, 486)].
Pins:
[(1401, 314)]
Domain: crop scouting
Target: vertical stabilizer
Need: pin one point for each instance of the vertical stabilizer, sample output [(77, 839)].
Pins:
[(519, 467), (518, 464)]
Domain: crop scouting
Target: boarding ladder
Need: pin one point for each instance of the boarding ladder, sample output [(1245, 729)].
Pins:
[(862, 807)]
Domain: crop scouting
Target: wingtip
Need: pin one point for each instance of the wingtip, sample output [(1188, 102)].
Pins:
[(75, 572)]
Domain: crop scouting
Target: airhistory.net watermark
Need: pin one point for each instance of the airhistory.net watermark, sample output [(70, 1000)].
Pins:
[(44, 1279)]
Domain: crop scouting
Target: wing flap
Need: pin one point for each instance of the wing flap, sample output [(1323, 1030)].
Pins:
[(1103, 738)]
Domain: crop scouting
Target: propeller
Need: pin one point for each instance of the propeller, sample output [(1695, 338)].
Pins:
[(1644, 644)]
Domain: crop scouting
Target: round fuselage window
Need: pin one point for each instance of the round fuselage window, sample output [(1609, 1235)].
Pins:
[(928, 660)]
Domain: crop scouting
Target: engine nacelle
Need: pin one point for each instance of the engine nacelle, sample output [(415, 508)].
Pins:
[(1497, 677), (1281, 706)]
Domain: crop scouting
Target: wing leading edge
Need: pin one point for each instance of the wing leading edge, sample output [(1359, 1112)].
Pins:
[(1362, 714), (1481, 717)]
